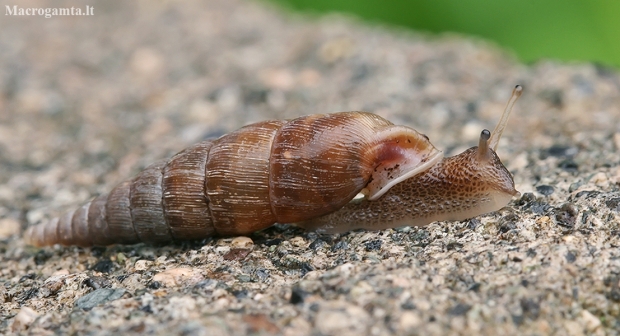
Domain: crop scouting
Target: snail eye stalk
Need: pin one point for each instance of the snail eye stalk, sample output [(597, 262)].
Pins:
[(501, 125)]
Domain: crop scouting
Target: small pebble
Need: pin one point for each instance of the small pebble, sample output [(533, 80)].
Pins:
[(459, 309), (52, 285), (298, 241), (374, 245), (179, 276), (337, 318), (600, 179), (236, 254), (121, 258), (96, 282), (546, 190), (592, 322), (182, 308), (260, 323), (242, 242), (142, 265), (574, 186), (409, 321), (8, 227), (97, 297), (104, 266), (23, 319)]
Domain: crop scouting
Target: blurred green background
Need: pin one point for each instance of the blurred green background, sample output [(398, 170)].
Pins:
[(569, 30)]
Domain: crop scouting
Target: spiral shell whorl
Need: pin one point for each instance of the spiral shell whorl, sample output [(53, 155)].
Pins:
[(284, 171)]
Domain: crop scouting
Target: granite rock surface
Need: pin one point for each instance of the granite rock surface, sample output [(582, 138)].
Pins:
[(86, 102)]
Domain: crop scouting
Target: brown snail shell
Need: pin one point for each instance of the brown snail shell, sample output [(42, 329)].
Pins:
[(267, 172)]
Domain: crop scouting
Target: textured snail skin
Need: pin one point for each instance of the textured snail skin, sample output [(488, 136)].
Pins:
[(456, 188), (267, 172)]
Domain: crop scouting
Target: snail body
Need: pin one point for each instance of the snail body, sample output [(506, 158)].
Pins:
[(307, 171), (455, 188)]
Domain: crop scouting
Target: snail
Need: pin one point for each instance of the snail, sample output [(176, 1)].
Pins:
[(326, 172)]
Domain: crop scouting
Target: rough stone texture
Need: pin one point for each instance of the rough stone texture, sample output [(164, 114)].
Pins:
[(86, 102)]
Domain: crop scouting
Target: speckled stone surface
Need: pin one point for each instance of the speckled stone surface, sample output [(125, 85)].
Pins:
[(86, 102)]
